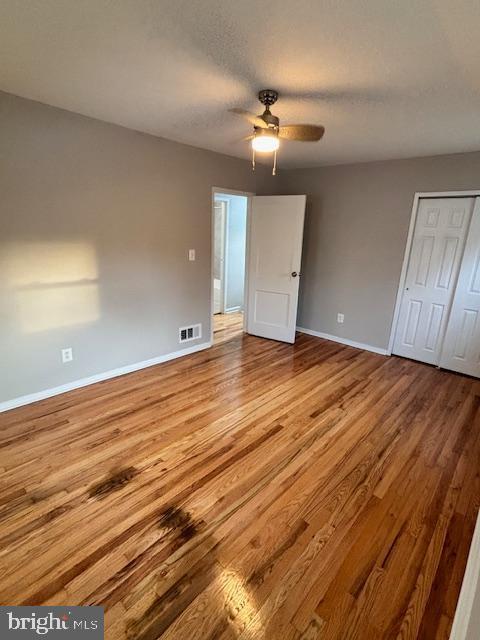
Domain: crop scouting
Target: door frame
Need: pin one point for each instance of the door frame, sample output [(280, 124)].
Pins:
[(224, 250), (419, 195), (234, 192)]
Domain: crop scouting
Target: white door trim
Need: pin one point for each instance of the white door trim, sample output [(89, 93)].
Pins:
[(406, 256), (223, 276), (228, 192)]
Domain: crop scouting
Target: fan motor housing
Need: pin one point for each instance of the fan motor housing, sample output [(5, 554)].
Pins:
[(268, 97), (270, 119)]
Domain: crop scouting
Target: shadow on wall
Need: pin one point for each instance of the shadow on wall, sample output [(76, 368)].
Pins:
[(55, 284), (310, 251)]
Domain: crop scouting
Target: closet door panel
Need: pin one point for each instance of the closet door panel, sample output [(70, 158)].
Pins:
[(461, 346), (434, 262)]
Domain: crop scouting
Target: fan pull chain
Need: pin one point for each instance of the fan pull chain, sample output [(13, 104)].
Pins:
[(253, 159), (274, 170)]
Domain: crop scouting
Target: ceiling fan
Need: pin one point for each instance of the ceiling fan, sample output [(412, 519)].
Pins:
[(267, 131)]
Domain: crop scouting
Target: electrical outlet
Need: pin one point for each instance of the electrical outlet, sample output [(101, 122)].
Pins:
[(67, 355), (191, 255), (340, 318)]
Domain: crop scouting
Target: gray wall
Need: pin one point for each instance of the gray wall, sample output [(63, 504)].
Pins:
[(96, 221), (95, 225), (355, 234)]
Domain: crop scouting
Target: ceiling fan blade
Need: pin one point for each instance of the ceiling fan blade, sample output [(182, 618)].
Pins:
[(244, 139), (301, 132), (256, 121)]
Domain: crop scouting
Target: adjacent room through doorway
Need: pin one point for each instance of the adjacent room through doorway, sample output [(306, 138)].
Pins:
[(230, 242)]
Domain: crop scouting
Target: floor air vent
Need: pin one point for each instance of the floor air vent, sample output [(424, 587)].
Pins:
[(185, 334)]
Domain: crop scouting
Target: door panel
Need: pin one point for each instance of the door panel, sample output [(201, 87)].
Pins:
[(437, 246), (434, 325), (461, 349), (272, 307), (448, 262), (275, 251)]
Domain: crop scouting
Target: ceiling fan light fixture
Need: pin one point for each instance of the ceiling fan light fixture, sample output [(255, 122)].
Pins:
[(265, 141), (267, 130)]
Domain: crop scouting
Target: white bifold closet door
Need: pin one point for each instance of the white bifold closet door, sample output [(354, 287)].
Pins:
[(461, 346), (437, 248)]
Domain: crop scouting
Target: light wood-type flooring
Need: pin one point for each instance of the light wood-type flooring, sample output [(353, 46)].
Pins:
[(227, 326), (255, 490)]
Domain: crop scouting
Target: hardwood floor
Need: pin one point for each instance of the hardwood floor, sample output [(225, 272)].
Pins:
[(227, 326), (254, 490)]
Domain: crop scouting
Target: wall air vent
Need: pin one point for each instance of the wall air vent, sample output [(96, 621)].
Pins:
[(185, 334)]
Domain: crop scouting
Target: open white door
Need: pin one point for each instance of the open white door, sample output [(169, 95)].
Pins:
[(461, 347), (275, 253)]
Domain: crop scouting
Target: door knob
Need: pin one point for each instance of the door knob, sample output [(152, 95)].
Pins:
[(295, 274)]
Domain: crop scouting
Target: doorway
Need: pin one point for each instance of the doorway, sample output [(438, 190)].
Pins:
[(230, 214)]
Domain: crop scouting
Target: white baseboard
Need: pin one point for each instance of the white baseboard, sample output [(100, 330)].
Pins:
[(99, 377), (350, 343), (463, 627), (233, 309)]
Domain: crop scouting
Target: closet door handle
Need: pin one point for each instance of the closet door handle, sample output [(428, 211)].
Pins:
[(295, 274)]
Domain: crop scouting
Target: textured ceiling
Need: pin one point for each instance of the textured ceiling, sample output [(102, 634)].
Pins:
[(387, 78)]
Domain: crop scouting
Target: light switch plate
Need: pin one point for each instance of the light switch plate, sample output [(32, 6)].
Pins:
[(340, 318), (67, 354), (191, 255)]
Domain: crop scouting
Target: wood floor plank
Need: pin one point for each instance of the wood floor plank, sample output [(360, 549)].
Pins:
[(287, 491)]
